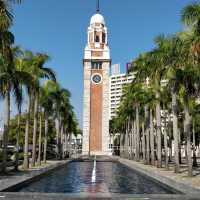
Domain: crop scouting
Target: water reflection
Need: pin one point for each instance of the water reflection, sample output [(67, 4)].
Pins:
[(110, 177)]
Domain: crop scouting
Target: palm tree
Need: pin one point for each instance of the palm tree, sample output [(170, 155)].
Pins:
[(6, 40), (46, 102), (177, 57), (35, 66), (70, 126), (39, 72), (24, 64), (25, 81), (32, 64), (150, 65), (40, 137), (6, 14), (191, 18), (11, 80), (166, 107), (190, 91), (60, 99), (62, 103)]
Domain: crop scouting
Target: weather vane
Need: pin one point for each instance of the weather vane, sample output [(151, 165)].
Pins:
[(98, 9)]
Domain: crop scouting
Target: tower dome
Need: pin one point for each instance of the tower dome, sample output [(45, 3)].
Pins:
[(97, 18)]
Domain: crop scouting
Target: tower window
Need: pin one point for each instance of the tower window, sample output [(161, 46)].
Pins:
[(96, 65), (104, 38), (97, 39)]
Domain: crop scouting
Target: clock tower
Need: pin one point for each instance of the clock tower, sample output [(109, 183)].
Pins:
[(96, 65)]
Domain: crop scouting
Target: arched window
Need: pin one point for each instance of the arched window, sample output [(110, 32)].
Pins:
[(104, 38), (97, 39)]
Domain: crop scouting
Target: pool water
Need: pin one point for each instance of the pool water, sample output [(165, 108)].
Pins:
[(104, 177)]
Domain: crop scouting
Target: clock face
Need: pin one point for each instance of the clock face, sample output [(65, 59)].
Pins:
[(96, 78)]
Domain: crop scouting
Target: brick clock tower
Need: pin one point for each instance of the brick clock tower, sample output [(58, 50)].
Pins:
[(96, 65)]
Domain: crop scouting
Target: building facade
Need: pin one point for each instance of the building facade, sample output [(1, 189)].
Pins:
[(117, 83), (96, 65)]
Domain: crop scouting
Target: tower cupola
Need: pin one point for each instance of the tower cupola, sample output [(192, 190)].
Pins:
[(97, 19), (97, 40)]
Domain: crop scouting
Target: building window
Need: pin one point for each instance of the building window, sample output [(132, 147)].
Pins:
[(104, 38), (96, 65), (97, 39)]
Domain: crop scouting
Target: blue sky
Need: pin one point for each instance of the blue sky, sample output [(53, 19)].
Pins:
[(58, 27)]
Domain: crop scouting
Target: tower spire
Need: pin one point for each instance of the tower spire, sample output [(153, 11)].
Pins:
[(98, 6)]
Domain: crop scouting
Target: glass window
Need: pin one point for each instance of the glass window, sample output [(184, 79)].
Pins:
[(96, 65)]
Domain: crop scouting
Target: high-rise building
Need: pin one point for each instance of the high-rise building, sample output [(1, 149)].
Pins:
[(96, 65), (117, 83), (115, 69)]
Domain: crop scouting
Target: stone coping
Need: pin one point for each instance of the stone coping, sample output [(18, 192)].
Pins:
[(168, 178), (12, 182), (94, 196)]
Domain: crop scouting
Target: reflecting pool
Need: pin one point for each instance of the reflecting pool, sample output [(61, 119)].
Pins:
[(92, 177)]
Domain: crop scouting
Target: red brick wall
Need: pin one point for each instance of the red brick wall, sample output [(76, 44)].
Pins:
[(96, 115)]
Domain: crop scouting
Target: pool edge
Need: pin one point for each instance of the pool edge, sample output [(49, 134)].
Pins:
[(171, 183)]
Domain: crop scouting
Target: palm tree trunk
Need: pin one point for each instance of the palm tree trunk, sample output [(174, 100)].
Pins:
[(148, 147), (129, 138), (17, 142), (169, 132), (166, 143), (121, 145), (66, 144), (126, 141), (158, 130), (132, 142), (175, 131), (45, 138), (188, 136), (152, 138), (179, 145), (137, 135), (193, 133), (62, 141), (6, 130), (35, 129), (143, 144), (135, 138), (26, 139), (40, 140), (194, 145), (57, 136), (147, 136)]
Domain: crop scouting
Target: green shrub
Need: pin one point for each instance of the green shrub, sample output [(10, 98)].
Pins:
[(20, 156)]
